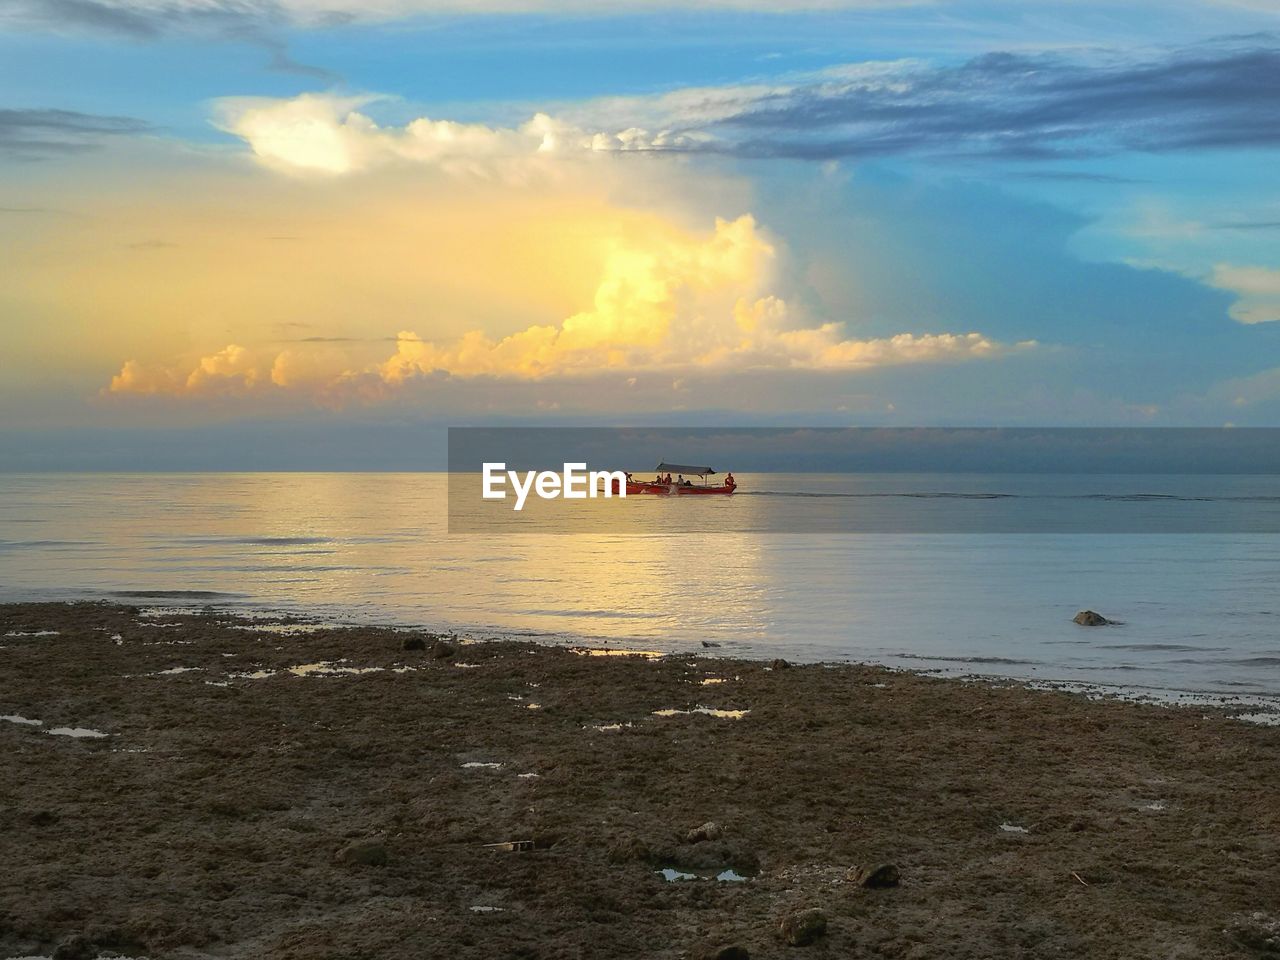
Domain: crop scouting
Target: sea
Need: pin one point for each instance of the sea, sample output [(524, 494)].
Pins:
[(1199, 612)]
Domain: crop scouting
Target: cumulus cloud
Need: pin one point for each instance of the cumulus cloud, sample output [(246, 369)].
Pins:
[(229, 370), (1258, 289), (699, 303), (330, 135)]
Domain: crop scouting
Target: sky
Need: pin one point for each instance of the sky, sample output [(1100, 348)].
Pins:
[(237, 226)]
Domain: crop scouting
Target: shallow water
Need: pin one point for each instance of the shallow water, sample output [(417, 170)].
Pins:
[(1201, 612)]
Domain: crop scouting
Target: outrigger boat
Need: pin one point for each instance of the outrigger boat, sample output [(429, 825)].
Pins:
[(672, 479)]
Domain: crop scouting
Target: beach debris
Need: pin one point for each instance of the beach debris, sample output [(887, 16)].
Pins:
[(413, 643), (780, 664), (803, 927), (710, 643), (1090, 618), (511, 846), (1012, 828), (708, 831), (877, 876), (721, 951), (364, 853)]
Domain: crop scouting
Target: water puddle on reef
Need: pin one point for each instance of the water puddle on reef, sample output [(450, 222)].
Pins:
[(80, 733), (280, 629), (708, 711), (609, 652), (727, 875), (328, 667)]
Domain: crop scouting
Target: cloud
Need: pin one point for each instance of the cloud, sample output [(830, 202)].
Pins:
[(322, 134), (230, 370), (699, 304), (1011, 106), (32, 134), (1257, 287), (1019, 106), (151, 18), (248, 21)]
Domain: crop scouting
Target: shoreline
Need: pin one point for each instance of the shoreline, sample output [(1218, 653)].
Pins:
[(330, 792), (1255, 706), (1251, 706)]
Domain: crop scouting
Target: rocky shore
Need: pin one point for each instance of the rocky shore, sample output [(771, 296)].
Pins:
[(179, 785)]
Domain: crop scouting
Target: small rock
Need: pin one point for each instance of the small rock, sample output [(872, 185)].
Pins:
[(413, 643), (44, 818), (366, 853), (875, 877), (708, 831), (718, 951), (710, 643), (443, 651), (803, 927), (1088, 618), (76, 947), (780, 664)]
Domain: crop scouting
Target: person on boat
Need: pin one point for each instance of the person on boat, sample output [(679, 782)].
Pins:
[(729, 482), (679, 479)]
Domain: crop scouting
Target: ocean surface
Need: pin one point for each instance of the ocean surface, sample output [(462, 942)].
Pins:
[(1200, 611)]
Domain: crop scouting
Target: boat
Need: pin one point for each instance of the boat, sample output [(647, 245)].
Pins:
[(668, 482)]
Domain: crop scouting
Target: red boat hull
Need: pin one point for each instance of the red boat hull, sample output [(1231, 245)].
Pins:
[(636, 488)]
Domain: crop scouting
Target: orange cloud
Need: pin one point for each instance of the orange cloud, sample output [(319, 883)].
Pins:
[(682, 304)]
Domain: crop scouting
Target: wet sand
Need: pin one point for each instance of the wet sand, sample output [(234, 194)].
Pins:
[(235, 807)]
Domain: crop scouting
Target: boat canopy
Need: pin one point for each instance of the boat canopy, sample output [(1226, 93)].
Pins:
[(685, 469)]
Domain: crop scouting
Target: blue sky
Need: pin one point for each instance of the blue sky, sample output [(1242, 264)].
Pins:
[(949, 212)]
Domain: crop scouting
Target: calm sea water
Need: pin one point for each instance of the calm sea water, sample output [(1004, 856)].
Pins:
[(1201, 611)]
